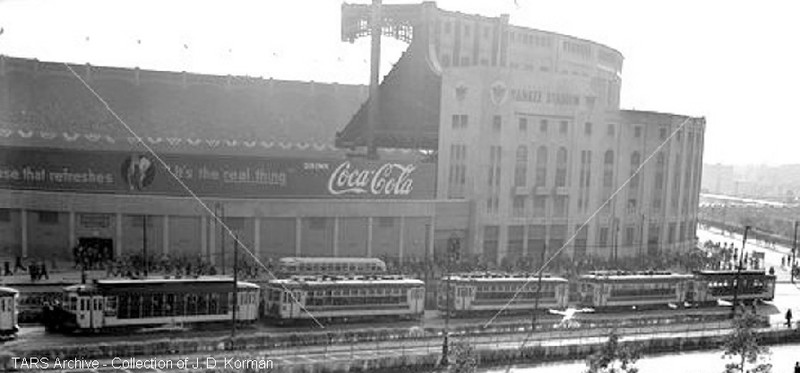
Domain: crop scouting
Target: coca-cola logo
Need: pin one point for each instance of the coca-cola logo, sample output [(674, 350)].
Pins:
[(391, 179)]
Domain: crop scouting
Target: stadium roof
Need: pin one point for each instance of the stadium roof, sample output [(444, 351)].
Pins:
[(44, 104)]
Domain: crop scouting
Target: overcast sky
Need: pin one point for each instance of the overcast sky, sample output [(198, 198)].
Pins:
[(735, 62)]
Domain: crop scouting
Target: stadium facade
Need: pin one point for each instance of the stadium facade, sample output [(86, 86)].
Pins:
[(502, 138)]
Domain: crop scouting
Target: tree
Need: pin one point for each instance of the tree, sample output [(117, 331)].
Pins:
[(742, 343), (613, 357), (462, 358)]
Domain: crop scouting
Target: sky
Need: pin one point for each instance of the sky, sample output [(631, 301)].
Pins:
[(737, 63)]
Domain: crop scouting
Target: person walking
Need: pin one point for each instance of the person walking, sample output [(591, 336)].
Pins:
[(797, 367), (789, 318)]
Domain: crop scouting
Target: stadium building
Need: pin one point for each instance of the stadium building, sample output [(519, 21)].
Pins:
[(502, 138)]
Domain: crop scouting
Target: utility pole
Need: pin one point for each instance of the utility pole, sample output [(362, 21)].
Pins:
[(794, 251), (222, 232), (538, 289), (144, 244), (445, 347), (235, 286), (738, 274)]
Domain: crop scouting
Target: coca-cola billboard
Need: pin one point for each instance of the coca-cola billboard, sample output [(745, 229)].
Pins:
[(210, 176), (387, 179)]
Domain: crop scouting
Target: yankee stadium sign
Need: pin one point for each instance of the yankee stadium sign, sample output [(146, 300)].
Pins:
[(388, 179)]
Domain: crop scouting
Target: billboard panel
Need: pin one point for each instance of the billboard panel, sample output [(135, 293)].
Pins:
[(212, 175)]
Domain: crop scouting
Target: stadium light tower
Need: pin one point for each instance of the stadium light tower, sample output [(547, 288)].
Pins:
[(374, 78)]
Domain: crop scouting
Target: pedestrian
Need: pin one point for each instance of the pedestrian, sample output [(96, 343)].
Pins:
[(797, 367), (789, 318)]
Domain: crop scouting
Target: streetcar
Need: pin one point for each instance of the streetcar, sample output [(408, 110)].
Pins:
[(135, 303), (8, 312), (298, 266), (343, 298), (484, 292), (33, 296), (711, 286), (604, 290)]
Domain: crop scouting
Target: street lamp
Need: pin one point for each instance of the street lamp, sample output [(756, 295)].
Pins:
[(739, 273), (794, 251)]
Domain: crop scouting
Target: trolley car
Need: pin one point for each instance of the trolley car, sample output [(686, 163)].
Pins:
[(113, 304), (33, 296), (615, 289), (477, 293), (343, 298), (711, 286), (296, 266), (8, 312)]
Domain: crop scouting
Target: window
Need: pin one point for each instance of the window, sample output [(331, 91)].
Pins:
[(629, 234), (611, 130), (608, 169), (48, 217), (497, 123), (662, 133), (587, 129), (561, 167), (563, 127), (523, 124), (519, 206), (637, 131), (460, 121), (386, 222), (520, 171), (466, 30), (539, 205), (560, 208), (5, 215), (447, 27), (541, 166), (602, 240), (543, 126), (317, 223)]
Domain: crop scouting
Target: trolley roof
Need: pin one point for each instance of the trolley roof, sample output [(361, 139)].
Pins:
[(7, 291), (199, 284), (336, 260), (347, 280), (727, 273), (632, 276), (495, 277)]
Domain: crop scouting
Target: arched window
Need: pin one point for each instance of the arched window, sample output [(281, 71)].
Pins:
[(561, 167), (520, 170), (609, 158), (608, 169), (635, 161), (541, 166)]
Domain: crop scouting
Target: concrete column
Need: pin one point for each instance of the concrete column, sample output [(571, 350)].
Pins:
[(204, 236), (165, 235), (369, 236), (212, 240), (298, 235), (525, 232), (71, 229), (118, 235), (335, 236), (401, 241), (23, 216), (431, 231), (257, 237)]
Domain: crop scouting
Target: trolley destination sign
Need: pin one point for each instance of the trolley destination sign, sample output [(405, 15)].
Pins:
[(210, 176)]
